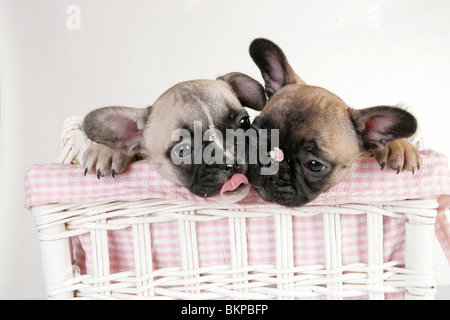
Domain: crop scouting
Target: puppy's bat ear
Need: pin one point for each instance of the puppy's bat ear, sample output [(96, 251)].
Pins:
[(273, 65), (248, 91), (119, 128), (377, 126)]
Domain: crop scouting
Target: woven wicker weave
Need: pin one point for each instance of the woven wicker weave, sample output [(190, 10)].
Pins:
[(59, 224)]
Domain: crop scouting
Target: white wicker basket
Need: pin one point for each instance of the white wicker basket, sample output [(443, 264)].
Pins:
[(59, 224)]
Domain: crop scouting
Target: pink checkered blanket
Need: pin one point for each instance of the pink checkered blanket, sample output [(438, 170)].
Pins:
[(56, 183), (365, 183)]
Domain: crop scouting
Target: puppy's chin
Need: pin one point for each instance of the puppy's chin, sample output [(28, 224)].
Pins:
[(272, 189), (222, 186), (284, 195), (232, 196)]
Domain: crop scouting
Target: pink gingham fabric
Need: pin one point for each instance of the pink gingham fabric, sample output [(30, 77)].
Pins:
[(365, 183), (55, 183)]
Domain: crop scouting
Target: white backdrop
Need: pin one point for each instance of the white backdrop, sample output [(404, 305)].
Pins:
[(64, 57)]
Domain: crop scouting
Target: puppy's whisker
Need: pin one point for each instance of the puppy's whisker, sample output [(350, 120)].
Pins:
[(156, 165)]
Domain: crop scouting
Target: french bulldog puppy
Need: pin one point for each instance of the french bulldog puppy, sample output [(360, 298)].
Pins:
[(319, 134), (162, 135)]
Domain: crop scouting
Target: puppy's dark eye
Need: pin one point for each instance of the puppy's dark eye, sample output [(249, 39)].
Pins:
[(181, 150), (315, 166), (244, 123)]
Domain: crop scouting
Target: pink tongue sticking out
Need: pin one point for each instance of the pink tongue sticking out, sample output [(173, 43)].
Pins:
[(235, 181)]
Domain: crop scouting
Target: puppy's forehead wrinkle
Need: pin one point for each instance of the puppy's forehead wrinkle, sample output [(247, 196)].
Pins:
[(204, 108)]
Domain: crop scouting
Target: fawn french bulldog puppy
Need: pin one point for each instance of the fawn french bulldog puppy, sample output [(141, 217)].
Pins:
[(319, 134), (162, 134)]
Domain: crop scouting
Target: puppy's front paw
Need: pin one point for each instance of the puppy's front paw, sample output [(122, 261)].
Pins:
[(399, 155), (102, 161)]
